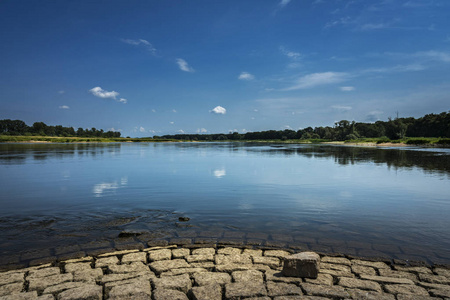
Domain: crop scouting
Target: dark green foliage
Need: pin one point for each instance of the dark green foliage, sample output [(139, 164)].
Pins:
[(17, 127)]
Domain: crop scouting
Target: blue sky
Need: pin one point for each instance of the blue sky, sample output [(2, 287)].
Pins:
[(163, 67)]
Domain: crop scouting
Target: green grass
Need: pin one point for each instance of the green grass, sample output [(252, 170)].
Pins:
[(51, 139)]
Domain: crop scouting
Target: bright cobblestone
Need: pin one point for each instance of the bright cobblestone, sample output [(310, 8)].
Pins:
[(220, 273)]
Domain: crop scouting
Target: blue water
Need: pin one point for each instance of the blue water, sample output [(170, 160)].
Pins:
[(356, 200)]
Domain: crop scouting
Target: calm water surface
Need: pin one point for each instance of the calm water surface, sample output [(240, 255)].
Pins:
[(356, 200)]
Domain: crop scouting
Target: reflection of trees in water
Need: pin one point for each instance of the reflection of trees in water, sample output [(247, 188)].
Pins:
[(432, 162), (19, 153)]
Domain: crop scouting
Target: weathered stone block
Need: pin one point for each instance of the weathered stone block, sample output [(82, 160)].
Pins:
[(247, 276), (405, 289), (166, 265), (88, 292), (207, 292), (304, 265), (211, 278), (162, 294), (272, 262), (325, 291), (283, 289), (106, 261), (135, 290), (12, 288), (41, 283), (135, 257), (359, 284), (162, 254), (239, 290), (180, 283), (180, 253), (277, 253)]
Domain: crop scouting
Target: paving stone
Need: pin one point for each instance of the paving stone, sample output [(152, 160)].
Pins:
[(359, 269), (377, 264), (398, 274), (119, 277), (164, 266), (413, 269), (11, 277), (209, 265), (77, 260), (162, 254), (282, 289), (163, 294), (180, 271), (136, 290), (336, 260), (135, 257), (181, 253), (120, 252), (434, 285), (272, 262), (300, 298), (221, 259), (384, 279), (304, 265), (11, 288), (276, 253), (336, 270), (43, 272), (328, 291), (129, 268), (356, 294), (253, 252), (434, 278), (272, 275), (444, 293), (442, 272), (229, 251), (359, 284), (207, 292), (233, 267), (204, 251), (239, 290), (415, 297), (91, 275), (83, 266), (87, 292), (22, 296), (41, 283), (106, 261), (211, 278), (324, 279), (180, 282), (62, 287), (248, 275), (199, 258), (405, 289)]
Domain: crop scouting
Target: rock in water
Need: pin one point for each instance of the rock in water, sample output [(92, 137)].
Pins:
[(303, 264)]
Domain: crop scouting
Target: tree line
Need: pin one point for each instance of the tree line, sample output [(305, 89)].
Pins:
[(431, 125), (18, 127)]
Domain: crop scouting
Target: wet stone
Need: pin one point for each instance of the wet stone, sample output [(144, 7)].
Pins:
[(282, 289), (211, 278), (163, 294), (239, 290), (207, 292), (71, 255)]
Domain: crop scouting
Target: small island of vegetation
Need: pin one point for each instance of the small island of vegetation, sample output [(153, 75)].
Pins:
[(431, 129)]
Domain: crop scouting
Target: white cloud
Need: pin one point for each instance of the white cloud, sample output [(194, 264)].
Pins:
[(138, 42), (61, 92), (64, 107), (397, 69), (141, 129), (371, 26), (316, 79), (342, 107), (114, 130), (180, 131), (347, 88), (434, 55), (171, 123), (184, 66), (174, 110), (246, 76), (290, 54), (153, 110), (283, 3), (202, 130), (219, 110), (101, 93)]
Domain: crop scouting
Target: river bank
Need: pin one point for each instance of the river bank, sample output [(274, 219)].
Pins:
[(220, 272)]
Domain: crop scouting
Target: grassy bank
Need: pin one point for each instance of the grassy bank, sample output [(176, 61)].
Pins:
[(54, 139), (420, 141)]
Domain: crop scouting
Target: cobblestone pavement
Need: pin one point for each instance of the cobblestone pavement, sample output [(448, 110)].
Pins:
[(171, 273)]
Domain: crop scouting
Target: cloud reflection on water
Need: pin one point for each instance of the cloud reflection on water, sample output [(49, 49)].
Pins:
[(101, 188)]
